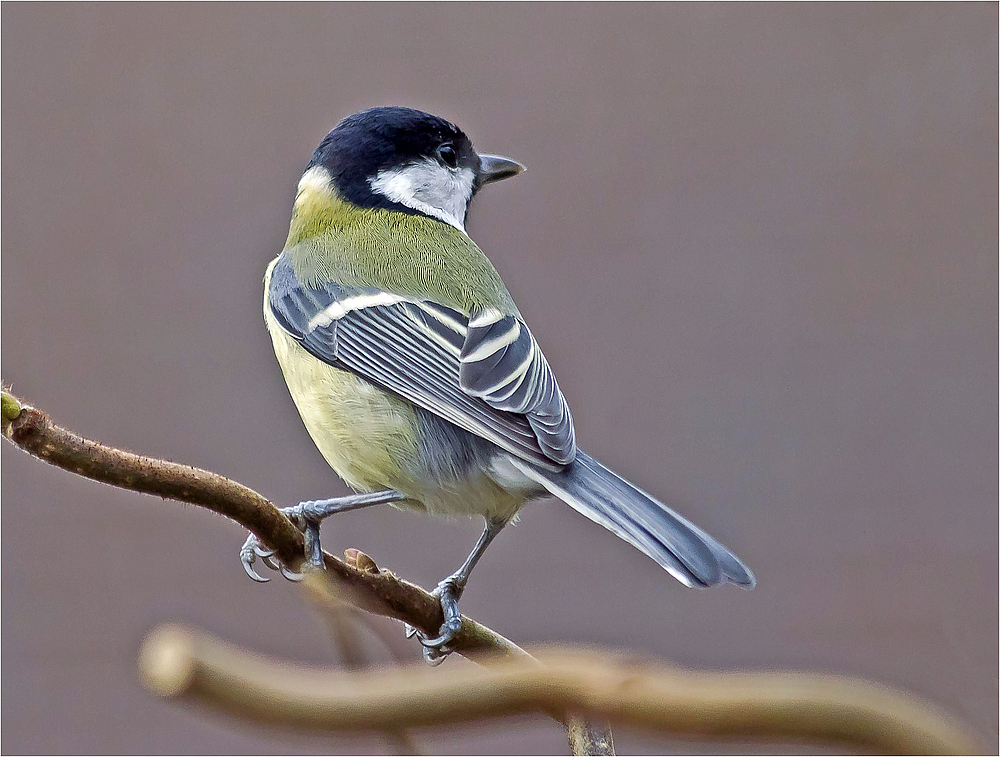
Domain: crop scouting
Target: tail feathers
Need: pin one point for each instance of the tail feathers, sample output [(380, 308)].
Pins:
[(689, 554)]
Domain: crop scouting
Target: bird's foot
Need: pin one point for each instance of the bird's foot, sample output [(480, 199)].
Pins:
[(251, 550), (307, 517), (436, 648)]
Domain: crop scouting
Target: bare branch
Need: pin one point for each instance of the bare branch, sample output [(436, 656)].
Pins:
[(184, 664), (379, 592), (362, 585)]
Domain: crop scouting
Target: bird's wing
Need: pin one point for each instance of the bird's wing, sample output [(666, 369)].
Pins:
[(486, 374)]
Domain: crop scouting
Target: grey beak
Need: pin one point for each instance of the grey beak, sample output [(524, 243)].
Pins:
[(496, 167)]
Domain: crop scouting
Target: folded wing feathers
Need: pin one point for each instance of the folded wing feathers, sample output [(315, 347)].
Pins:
[(364, 346), (485, 374), (501, 363), (444, 325)]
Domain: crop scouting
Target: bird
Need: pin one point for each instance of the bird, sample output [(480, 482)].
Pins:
[(413, 370)]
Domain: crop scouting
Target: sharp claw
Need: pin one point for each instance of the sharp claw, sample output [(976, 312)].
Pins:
[(248, 567), (433, 652), (436, 649), (438, 642), (434, 657), (248, 555), (291, 575), (260, 550), (270, 562)]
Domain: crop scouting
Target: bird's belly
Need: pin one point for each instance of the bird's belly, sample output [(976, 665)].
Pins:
[(364, 434), (375, 440)]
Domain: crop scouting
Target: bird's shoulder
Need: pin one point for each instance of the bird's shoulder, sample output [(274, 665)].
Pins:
[(410, 255)]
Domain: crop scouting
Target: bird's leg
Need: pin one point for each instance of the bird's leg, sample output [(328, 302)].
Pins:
[(307, 516), (449, 591)]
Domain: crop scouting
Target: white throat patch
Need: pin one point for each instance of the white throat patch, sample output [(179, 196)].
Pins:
[(429, 187)]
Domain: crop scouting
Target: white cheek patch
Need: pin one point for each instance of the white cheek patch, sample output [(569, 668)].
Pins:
[(430, 188)]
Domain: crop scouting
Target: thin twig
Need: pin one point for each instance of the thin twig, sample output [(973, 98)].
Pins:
[(180, 663)]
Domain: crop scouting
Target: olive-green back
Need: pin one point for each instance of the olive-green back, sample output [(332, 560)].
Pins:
[(411, 255)]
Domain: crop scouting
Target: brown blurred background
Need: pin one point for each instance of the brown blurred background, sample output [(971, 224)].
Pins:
[(757, 243)]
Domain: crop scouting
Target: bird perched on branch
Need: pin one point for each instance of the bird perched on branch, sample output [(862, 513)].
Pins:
[(413, 370)]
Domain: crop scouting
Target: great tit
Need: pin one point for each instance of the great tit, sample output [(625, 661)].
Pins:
[(413, 370)]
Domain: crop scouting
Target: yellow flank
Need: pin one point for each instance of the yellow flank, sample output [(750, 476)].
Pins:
[(363, 432)]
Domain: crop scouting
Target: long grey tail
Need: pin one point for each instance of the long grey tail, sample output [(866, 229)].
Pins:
[(689, 554)]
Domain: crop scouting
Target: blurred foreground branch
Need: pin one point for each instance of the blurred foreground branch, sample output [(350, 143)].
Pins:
[(181, 663), (362, 585), (343, 622)]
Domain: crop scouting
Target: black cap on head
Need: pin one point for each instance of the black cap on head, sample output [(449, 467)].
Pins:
[(384, 138)]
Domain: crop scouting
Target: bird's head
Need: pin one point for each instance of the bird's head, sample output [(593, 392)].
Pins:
[(405, 160)]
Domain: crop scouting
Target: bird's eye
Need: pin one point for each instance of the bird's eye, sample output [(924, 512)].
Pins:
[(448, 155)]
